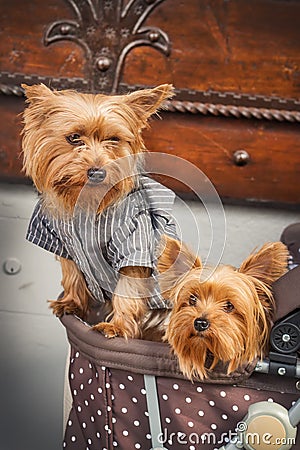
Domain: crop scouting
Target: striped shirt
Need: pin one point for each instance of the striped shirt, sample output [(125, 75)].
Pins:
[(126, 234)]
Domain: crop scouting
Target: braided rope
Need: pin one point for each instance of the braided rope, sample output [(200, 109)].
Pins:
[(247, 112), (11, 90), (183, 106)]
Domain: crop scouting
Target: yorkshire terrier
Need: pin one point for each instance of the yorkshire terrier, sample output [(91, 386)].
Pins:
[(103, 219), (84, 155), (221, 315)]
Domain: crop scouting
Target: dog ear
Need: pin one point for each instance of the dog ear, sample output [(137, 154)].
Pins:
[(175, 261), (176, 256), (147, 101), (39, 98), (37, 92), (268, 264)]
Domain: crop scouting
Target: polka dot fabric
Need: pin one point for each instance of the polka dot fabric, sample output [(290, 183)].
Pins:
[(109, 409), (205, 416)]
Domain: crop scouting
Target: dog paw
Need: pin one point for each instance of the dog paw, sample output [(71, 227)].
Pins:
[(109, 330), (60, 308)]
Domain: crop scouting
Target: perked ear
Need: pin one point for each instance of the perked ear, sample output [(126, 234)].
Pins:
[(175, 261), (268, 264), (37, 92), (176, 255), (147, 101)]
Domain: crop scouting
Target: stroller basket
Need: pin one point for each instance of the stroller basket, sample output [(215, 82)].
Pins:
[(132, 395)]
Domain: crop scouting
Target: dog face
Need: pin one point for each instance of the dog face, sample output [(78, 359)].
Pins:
[(70, 139), (225, 314)]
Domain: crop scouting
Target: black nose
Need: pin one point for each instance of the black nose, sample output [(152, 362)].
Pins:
[(201, 324), (96, 175)]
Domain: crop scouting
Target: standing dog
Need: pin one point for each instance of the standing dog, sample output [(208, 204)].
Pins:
[(97, 211)]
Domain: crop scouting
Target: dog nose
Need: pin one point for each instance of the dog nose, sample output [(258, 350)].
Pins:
[(201, 324), (95, 174)]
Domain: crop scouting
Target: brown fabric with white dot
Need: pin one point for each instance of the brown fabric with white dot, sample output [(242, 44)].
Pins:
[(110, 410)]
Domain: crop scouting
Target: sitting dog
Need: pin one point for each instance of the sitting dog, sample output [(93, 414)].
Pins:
[(223, 314), (97, 212)]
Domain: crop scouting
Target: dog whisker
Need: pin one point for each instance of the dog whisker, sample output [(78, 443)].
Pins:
[(84, 153), (231, 335)]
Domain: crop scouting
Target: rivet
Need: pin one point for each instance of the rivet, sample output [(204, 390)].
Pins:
[(65, 29), (281, 371), (241, 157), (103, 63), (153, 36), (298, 385)]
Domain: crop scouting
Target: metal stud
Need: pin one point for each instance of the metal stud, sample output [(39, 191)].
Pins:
[(241, 158), (103, 63), (65, 29), (154, 36)]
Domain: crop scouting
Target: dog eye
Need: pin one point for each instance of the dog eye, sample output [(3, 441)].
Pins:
[(193, 300), (74, 139), (228, 307), (113, 138)]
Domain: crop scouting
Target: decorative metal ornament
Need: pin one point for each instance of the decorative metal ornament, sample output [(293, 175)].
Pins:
[(108, 31)]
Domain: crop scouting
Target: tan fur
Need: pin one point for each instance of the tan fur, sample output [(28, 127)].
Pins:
[(109, 128), (76, 297), (128, 305), (234, 337), (58, 173)]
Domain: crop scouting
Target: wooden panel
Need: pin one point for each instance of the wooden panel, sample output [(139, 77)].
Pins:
[(209, 143), (236, 45), (247, 50), (22, 27), (10, 146), (273, 171)]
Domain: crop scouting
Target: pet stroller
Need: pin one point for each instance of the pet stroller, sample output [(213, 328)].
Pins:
[(132, 395)]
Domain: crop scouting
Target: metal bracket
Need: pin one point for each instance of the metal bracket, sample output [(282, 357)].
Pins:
[(107, 32)]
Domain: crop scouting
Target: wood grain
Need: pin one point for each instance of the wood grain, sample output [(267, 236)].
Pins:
[(209, 143), (234, 45)]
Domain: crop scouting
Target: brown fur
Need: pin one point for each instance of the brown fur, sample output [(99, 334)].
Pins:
[(108, 128), (238, 332)]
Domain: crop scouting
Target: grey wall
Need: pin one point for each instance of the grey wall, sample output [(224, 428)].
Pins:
[(32, 341), (227, 234)]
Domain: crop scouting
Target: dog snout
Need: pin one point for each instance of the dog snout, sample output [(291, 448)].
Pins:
[(201, 324), (96, 174)]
